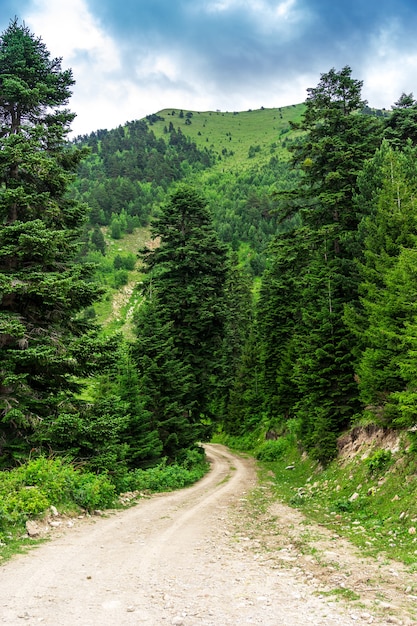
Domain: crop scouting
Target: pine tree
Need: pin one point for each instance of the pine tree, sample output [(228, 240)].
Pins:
[(164, 380), (402, 123), (238, 322), (244, 410), (386, 306), (185, 290), (42, 288), (403, 281), (277, 314), (336, 142)]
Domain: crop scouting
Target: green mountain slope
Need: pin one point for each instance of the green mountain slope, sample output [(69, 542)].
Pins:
[(238, 161), (240, 139)]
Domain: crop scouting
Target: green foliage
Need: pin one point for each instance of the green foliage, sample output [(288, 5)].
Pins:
[(307, 352), (97, 239), (401, 125), (120, 278), (29, 490), (248, 442), (92, 492), (115, 229), (131, 168), (379, 461), (238, 307), (129, 171), (43, 290), (352, 501), (273, 450), (237, 131), (384, 318), (181, 328), (124, 261), (167, 477), (253, 150)]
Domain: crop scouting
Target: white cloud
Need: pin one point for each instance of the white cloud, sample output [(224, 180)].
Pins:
[(68, 27), (268, 18), (389, 67), (70, 31), (106, 94)]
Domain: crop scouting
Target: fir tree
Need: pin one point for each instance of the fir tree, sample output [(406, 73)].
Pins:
[(336, 142), (386, 306), (42, 288), (185, 290)]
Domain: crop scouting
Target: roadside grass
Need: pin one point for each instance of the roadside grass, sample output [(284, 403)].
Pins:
[(32, 490), (342, 592), (370, 500)]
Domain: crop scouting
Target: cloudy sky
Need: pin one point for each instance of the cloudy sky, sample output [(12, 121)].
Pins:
[(135, 57)]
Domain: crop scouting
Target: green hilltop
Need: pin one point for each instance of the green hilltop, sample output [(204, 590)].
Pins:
[(239, 138)]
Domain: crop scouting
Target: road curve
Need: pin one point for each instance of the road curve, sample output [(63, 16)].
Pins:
[(176, 559), (100, 572)]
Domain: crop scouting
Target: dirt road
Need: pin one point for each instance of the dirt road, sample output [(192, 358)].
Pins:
[(178, 559)]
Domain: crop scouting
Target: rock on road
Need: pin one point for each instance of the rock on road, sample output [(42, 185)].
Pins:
[(170, 559)]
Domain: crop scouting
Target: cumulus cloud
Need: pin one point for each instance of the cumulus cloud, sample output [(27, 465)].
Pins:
[(135, 57)]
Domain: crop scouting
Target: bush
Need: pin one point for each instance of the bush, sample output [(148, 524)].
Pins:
[(121, 278), (28, 502), (165, 477), (273, 450), (93, 492), (125, 261), (379, 461), (29, 490)]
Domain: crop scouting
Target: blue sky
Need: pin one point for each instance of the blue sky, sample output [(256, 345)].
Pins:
[(135, 57)]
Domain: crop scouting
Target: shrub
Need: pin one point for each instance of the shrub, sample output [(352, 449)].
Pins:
[(121, 278), (30, 489), (272, 450), (93, 492), (165, 477), (27, 502), (379, 461)]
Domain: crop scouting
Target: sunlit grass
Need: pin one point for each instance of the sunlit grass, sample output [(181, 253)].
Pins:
[(234, 136), (369, 499)]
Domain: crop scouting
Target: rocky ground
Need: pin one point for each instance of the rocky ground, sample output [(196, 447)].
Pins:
[(215, 554)]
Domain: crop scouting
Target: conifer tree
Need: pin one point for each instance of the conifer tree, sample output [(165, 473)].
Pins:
[(336, 142), (278, 316), (178, 351), (238, 322), (42, 288), (386, 307), (402, 123)]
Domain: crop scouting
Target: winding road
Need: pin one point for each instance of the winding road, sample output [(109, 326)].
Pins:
[(171, 559)]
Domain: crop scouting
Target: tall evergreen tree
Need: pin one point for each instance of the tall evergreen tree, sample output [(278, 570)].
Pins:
[(278, 316), (336, 141), (42, 288), (386, 306), (238, 322), (402, 123), (185, 289)]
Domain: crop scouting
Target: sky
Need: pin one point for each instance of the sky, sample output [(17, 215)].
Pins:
[(131, 58)]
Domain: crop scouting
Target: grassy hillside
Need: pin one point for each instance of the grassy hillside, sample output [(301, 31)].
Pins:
[(251, 163), (114, 311), (233, 136)]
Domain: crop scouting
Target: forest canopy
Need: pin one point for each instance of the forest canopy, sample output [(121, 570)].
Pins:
[(274, 292)]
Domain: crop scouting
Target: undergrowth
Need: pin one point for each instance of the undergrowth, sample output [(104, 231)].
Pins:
[(28, 492), (369, 499), (166, 477)]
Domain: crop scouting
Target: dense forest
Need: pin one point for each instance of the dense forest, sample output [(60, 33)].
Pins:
[(274, 290)]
